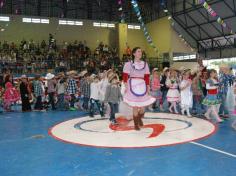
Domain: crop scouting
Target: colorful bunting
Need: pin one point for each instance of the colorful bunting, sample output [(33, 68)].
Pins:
[(1, 3), (140, 19), (120, 9), (214, 14)]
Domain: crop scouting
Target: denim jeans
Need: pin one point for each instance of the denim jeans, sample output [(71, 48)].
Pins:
[(197, 105), (92, 107), (114, 110), (223, 107), (164, 101), (72, 101), (85, 103), (61, 102)]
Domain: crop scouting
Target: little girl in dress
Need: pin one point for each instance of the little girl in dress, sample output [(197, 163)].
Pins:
[(155, 87), (173, 96), (186, 93), (211, 100), (10, 96)]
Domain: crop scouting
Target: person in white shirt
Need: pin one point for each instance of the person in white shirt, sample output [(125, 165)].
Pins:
[(95, 96)]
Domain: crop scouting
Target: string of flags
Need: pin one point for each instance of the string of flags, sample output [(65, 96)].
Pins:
[(214, 14), (144, 28), (164, 6), (1, 3), (121, 12)]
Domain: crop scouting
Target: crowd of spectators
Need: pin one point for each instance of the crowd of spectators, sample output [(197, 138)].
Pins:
[(40, 57)]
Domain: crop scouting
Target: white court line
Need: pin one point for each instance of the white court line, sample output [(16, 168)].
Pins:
[(216, 150)]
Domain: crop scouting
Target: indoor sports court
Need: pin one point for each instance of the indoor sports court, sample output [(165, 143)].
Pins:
[(118, 87)]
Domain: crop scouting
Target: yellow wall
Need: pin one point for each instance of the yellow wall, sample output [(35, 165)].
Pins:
[(164, 37), (136, 39), (161, 35), (17, 30)]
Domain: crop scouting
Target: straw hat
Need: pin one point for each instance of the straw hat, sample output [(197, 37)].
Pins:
[(182, 68), (49, 76), (60, 74), (72, 72), (155, 69), (174, 69), (223, 65), (113, 76), (165, 69), (23, 77), (186, 70), (83, 73)]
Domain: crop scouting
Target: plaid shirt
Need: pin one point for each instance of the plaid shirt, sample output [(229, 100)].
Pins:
[(85, 89), (38, 90), (72, 87)]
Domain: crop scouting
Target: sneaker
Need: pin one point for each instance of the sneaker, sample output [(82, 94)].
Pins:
[(207, 116), (150, 109), (220, 121), (72, 109), (234, 127), (114, 122)]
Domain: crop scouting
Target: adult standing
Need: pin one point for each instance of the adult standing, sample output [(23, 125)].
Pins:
[(25, 94), (136, 78)]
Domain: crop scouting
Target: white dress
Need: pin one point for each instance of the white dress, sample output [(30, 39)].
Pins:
[(186, 95), (173, 92), (124, 109)]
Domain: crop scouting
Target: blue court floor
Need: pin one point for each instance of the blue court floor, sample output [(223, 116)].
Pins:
[(26, 149)]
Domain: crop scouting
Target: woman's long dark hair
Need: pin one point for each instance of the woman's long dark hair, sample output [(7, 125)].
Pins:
[(134, 51)]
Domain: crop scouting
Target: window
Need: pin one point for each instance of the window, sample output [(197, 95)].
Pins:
[(134, 27), (35, 20), (104, 25), (179, 57), (4, 18), (111, 25), (70, 22)]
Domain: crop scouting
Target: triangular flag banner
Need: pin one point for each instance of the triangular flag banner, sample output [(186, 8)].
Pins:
[(140, 19), (214, 14)]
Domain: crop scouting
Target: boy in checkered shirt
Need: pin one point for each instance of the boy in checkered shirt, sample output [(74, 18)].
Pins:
[(72, 88)]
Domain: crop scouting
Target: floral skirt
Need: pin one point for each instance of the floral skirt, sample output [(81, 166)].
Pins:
[(211, 100)]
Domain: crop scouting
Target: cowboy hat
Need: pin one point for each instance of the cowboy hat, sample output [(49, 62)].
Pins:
[(223, 65), (49, 76), (155, 69), (83, 73), (186, 70), (23, 77), (166, 69), (182, 68), (72, 72), (60, 74), (113, 76)]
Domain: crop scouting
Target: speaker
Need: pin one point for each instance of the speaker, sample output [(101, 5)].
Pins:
[(165, 64)]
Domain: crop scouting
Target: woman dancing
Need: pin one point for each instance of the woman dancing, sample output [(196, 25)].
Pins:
[(136, 78)]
